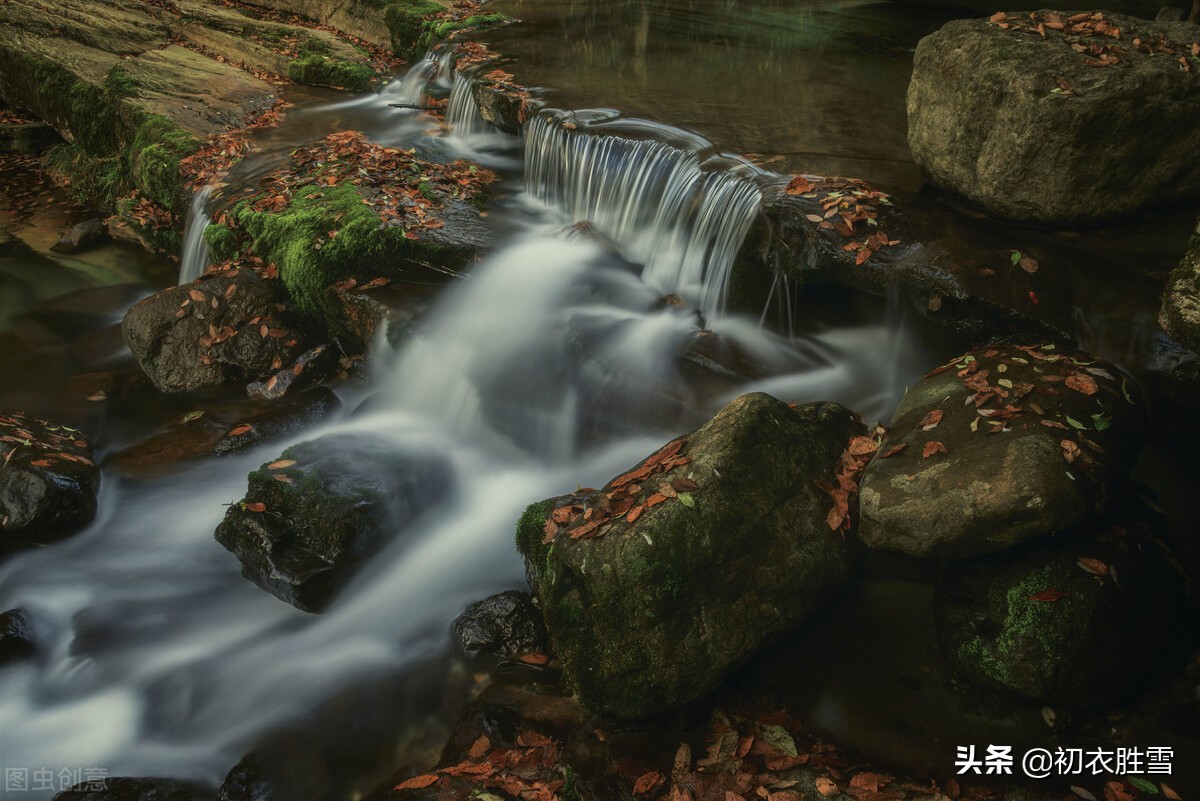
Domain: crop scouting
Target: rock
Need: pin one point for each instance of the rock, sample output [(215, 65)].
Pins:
[(323, 508), (222, 329), (506, 106), (312, 367), (1037, 133), (285, 766), (1180, 314), (138, 789), (80, 236), (1005, 444), (48, 482), (31, 138), (286, 418), (506, 625), (1077, 620), (193, 435), (726, 549), (16, 636)]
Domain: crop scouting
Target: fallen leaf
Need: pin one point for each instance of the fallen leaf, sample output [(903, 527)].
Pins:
[(932, 447), (1094, 566), (647, 782), (1166, 789), (255, 507), (479, 747), (417, 782), (1028, 265), (1081, 382), (1070, 450), (826, 786), (892, 451), (237, 431), (282, 463), (930, 420)]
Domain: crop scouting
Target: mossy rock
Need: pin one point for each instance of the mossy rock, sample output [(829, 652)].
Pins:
[(654, 609), (1003, 445), (406, 23), (316, 69), (1079, 620), (323, 508), (1180, 314), (297, 240), (30, 138)]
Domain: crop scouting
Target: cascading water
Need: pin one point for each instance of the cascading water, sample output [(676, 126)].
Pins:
[(683, 222), (462, 113), (194, 259), (555, 365)]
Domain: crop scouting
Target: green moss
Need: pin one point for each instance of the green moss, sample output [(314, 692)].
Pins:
[(309, 261), (222, 242), (530, 533), (314, 46), (315, 69), (570, 788), (119, 83), (427, 191), (88, 179), (407, 25)]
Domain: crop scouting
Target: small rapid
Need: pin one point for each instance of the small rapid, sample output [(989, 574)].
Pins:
[(560, 360), (194, 259)]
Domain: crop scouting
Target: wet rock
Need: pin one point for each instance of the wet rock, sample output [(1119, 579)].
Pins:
[(1005, 444), (1037, 132), (287, 766), (324, 507), (506, 625), (1180, 314), (80, 236), (506, 106), (1077, 620), (222, 329), (657, 586), (313, 367), (286, 418), (48, 482), (16, 636), (138, 789), (193, 435)]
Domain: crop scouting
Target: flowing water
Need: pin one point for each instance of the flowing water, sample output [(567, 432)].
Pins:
[(569, 353)]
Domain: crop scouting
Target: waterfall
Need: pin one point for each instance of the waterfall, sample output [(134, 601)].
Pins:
[(195, 250), (660, 204), (462, 115)]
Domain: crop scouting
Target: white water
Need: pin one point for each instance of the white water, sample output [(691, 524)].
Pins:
[(554, 365), (194, 259), (683, 222)]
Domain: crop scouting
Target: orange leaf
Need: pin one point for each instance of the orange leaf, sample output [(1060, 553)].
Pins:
[(1049, 595), (634, 513), (282, 463), (826, 786), (931, 420), (417, 782), (237, 431), (932, 447), (480, 747), (255, 507), (647, 782), (1094, 566), (1081, 382)]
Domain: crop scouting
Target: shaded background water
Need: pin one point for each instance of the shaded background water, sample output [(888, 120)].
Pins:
[(557, 364)]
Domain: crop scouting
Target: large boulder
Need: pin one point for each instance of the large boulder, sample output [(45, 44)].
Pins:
[(48, 482), (224, 328), (325, 506), (1002, 445), (657, 586), (1078, 620), (1058, 118), (1180, 314)]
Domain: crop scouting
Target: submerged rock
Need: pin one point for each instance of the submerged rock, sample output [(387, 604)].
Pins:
[(124, 788), (323, 508), (506, 625), (1078, 620), (1002, 445), (222, 329), (48, 482), (285, 766), (80, 236), (1048, 119), (1180, 315), (16, 636), (659, 585), (285, 418)]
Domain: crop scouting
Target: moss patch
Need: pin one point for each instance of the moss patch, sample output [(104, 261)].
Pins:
[(320, 70)]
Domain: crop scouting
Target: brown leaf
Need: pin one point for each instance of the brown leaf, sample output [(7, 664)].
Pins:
[(932, 447), (237, 431), (1049, 596), (1166, 789), (892, 451), (647, 782), (1081, 382), (1028, 265), (1116, 791), (685, 484), (282, 463), (1094, 566), (417, 782), (1070, 450), (930, 420), (826, 786), (634, 513), (479, 747), (256, 507), (197, 295), (550, 530)]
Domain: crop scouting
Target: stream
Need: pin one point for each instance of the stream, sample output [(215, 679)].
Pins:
[(564, 357)]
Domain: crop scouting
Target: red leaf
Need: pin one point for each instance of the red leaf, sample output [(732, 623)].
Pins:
[(930, 420), (1094, 566), (255, 507), (237, 431), (932, 447), (417, 782), (647, 782), (1081, 382)]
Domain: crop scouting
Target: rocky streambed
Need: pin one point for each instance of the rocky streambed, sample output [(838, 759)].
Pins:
[(416, 337)]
